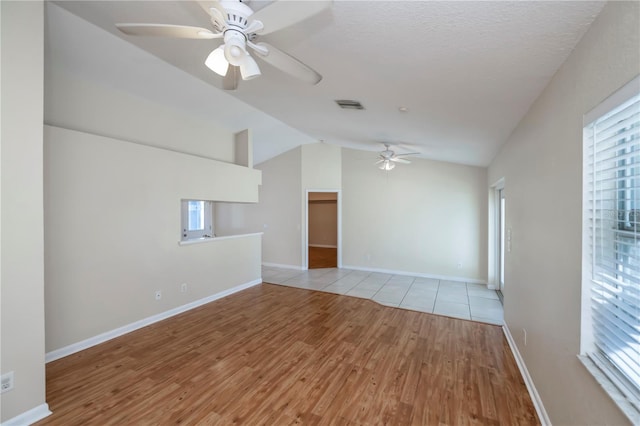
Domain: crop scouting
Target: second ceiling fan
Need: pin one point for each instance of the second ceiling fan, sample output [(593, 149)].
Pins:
[(239, 27), (388, 158)]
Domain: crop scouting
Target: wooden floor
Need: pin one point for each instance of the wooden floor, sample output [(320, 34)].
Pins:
[(276, 355), (323, 257)]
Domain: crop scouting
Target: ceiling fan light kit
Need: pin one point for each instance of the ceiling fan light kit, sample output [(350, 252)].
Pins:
[(387, 165), (235, 47), (216, 62), (249, 69), (239, 27)]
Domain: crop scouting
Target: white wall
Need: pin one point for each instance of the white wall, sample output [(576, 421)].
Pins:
[(22, 281), (74, 102), (425, 217), (282, 206), (278, 213), (112, 226), (280, 209), (321, 167), (116, 168), (542, 166)]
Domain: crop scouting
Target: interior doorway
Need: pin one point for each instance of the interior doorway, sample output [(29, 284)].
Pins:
[(323, 229)]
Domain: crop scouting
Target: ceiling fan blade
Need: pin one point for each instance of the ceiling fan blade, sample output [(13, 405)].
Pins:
[(400, 160), (406, 154), (166, 30), (230, 81), (254, 26), (281, 14), (207, 5), (379, 161), (287, 63)]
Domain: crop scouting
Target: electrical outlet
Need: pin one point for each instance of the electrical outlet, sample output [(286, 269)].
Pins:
[(6, 382), (158, 294), (524, 336), (183, 288), (459, 265)]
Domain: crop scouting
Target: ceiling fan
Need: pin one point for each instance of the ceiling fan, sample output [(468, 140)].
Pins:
[(239, 27), (388, 158)]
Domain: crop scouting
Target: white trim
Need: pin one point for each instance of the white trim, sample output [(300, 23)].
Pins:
[(528, 381), (305, 232), (323, 245), (418, 274), (103, 337), (493, 248), (598, 371), (620, 96), (29, 417), (339, 254), (209, 240), (283, 266), (499, 184)]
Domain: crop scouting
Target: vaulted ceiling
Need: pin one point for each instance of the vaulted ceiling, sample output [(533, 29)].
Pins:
[(466, 72)]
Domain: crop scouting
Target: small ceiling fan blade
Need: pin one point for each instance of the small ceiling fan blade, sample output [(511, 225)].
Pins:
[(207, 5), (254, 27), (166, 30), (379, 161), (406, 154), (400, 160), (281, 14), (230, 81), (287, 63)]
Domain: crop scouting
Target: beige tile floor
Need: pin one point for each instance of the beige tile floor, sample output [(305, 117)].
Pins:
[(449, 298)]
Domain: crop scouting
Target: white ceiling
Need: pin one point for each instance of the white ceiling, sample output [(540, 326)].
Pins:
[(466, 71)]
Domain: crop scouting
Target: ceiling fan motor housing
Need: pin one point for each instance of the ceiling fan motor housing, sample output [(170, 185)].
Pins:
[(237, 15)]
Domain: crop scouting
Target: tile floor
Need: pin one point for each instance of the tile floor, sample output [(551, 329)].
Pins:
[(449, 298)]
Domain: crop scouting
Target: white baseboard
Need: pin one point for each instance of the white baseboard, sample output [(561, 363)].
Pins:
[(535, 397), (280, 265), (416, 274), (29, 417), (323, 245), (101, 338)]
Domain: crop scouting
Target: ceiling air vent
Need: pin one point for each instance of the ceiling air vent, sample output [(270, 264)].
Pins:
[(348, 104)]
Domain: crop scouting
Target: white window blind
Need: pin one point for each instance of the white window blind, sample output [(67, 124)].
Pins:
[(612, 154)]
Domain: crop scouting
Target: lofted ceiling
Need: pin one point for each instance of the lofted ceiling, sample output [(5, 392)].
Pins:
[(466, 72)]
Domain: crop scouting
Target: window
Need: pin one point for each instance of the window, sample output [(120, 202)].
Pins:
[(612, 241), (197, 219)]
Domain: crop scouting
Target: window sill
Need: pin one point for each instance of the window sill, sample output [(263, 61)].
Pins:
[(620, 399), (212, 239)]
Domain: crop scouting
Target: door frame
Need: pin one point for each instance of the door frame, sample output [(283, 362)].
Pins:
[(502, 237), (495, 235), (305, 238)]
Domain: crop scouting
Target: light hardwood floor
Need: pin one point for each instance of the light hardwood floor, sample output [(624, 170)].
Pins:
[(323, 257), (275, 355)]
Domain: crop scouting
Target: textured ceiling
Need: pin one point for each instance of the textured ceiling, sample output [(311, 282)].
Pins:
[(466, 71)]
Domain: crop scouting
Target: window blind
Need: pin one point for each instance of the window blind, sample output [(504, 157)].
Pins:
[(612, 144)]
